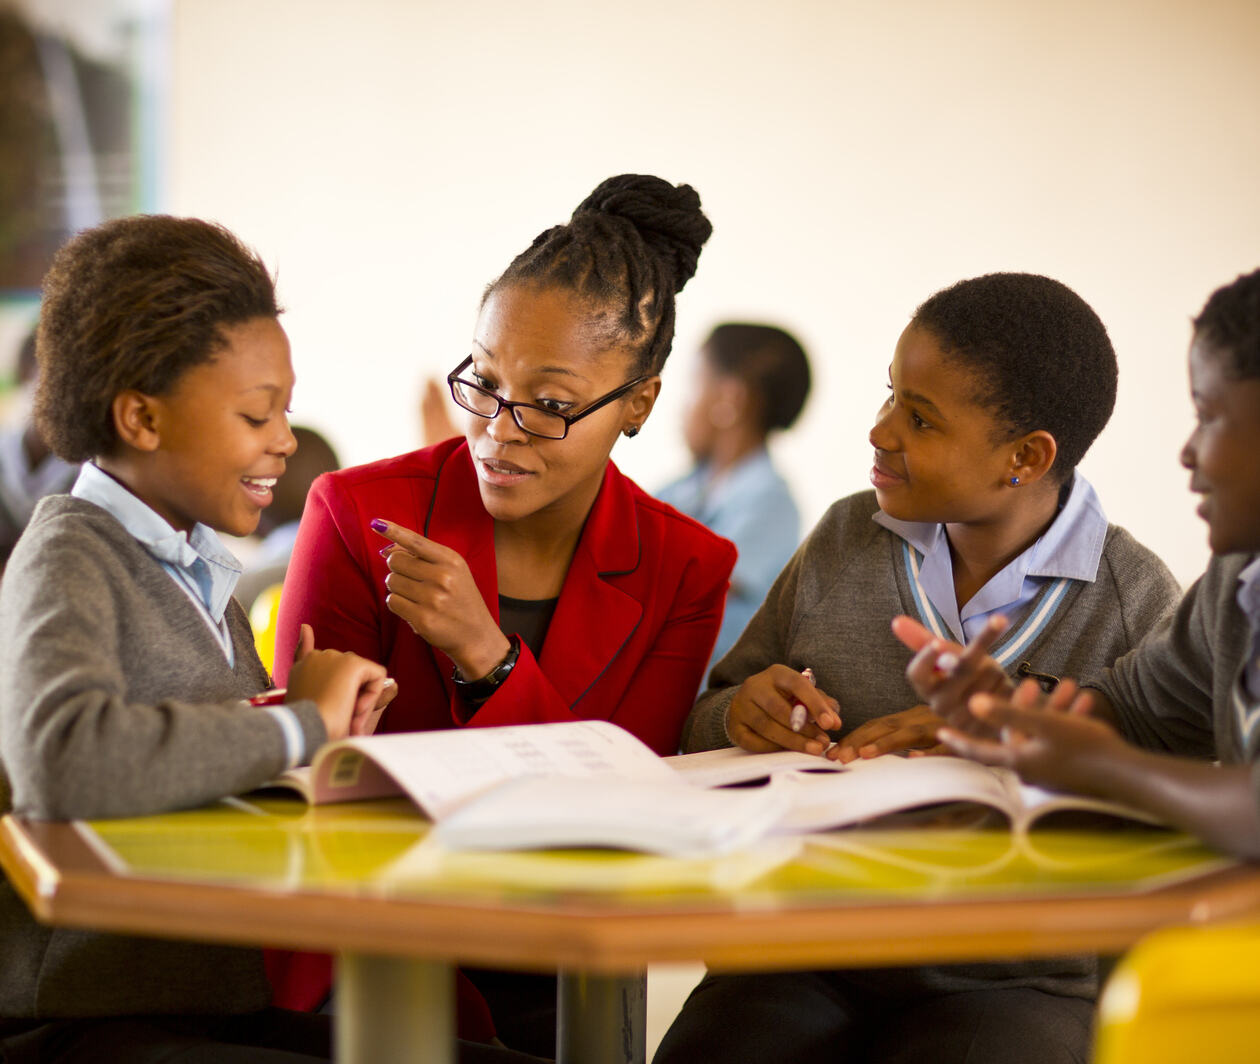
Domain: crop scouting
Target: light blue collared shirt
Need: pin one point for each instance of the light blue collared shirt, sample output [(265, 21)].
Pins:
[(750, 505), (198, 563), (1249, 603), (1070, 548)]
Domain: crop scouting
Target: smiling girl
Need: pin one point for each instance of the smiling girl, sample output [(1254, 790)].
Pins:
[(126, 666), (997, 388), (515, 575)]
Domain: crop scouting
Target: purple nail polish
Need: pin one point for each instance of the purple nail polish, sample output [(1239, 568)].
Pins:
[(378, 525)]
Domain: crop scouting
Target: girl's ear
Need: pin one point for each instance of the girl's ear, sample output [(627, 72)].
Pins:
[(136, 420), (1033, 457), (642, 399)]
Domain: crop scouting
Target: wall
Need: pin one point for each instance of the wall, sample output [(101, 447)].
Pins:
[(389, 158)]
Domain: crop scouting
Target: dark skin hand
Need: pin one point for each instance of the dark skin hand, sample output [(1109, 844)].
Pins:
[(759, 716), (946, 675), (1074, 751), (913, 730), (432, 589)]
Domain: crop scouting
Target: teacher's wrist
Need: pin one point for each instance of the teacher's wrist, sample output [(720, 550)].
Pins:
[(476, 692), (477, 662)]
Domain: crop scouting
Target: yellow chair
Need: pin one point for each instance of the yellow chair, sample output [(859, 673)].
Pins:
[(262, 617), (1186, 995)]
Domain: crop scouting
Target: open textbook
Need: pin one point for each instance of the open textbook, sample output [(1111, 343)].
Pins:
[(592, 784)]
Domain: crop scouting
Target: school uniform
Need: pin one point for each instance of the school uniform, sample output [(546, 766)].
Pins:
[(1193, 687), (124, 668), (1080, 597)]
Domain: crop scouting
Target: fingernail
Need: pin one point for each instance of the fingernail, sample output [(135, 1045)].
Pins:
[(814, 747), (946, 663), (377, 525), (385, 552)]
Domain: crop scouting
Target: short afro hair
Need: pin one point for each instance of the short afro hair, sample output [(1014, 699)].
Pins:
[(133, 304), (1229, 323), (1039, 354), (770, 360)]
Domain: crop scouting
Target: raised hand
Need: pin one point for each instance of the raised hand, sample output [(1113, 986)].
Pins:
[(432, 589), (946, 675), (1048, 739)]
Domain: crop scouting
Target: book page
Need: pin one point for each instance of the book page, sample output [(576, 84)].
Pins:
[(1068, 810), (890, 784), (661, 816), (441, 770), (718, 768)]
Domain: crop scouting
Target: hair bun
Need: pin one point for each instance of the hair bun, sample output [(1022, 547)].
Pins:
[(667, 217)]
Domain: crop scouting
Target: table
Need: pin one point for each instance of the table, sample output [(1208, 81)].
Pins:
[(359, 880)]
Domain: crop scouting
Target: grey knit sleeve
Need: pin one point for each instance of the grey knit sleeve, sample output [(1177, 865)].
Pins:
[(1162, 689), (115, 697)]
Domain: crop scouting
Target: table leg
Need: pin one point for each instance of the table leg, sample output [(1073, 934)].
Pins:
[(601, 1019), (395, 1009)]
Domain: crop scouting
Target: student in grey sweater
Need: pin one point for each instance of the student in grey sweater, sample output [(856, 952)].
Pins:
[(125, 663), (1190, 693), (998, 387)]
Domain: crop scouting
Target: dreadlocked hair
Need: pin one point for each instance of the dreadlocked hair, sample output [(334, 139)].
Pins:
[(629, 249)]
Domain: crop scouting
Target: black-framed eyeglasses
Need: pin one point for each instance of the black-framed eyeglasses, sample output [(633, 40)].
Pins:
[(536, 420)]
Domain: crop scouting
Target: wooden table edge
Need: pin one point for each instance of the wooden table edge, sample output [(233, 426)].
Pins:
[(72, 885)]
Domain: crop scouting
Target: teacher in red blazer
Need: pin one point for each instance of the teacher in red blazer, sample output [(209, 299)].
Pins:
[(517, 576)]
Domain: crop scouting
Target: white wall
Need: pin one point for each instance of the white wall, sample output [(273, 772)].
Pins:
[(389, 157)]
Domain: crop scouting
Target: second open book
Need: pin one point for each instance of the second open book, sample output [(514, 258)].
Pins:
[(592, 784)]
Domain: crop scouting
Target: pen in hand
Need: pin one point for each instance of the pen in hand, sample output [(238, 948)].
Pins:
[(799, 713)]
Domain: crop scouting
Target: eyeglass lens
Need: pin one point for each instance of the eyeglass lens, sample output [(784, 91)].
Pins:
[(530, 418)]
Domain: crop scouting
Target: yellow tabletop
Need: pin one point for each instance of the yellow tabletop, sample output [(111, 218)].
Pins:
[(363, 877)]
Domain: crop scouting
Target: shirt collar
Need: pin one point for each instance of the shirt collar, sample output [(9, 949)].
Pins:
[(216, 575), (1248, 596), (1071, 547)]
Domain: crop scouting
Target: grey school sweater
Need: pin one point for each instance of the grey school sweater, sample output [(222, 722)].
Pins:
[(116, 699), (831, 610), (832, 606)]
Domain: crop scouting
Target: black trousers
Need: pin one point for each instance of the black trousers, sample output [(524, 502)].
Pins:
[(273, 1036), (857, 1017)]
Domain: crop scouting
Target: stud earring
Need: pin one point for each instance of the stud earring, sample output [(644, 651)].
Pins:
[(631, 432), (1014, 482)]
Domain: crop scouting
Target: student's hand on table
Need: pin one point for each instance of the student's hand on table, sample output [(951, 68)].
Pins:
[(946, 675), (1048, 739), (349, 691), (432, 589), (371, 703), (913, 730), (760, 714)]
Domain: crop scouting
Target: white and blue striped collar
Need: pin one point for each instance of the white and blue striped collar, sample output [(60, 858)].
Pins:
[(1070, 549)]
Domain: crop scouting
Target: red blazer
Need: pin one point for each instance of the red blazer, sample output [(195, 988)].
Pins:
[(635, 624)]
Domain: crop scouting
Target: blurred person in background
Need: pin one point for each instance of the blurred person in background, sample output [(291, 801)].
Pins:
[(28, 468), (753, 380)]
